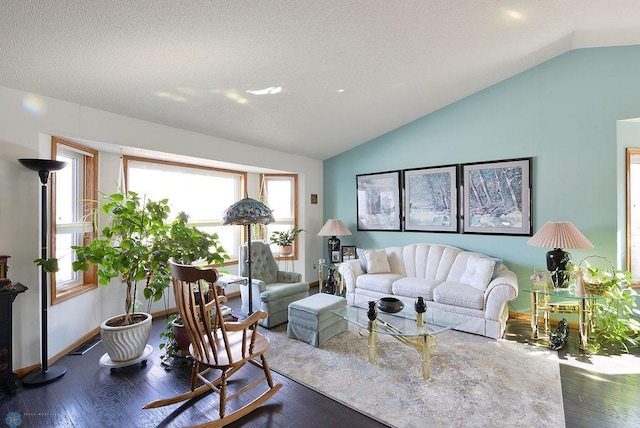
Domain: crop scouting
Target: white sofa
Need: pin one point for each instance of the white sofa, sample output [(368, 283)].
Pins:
[(450, 279)]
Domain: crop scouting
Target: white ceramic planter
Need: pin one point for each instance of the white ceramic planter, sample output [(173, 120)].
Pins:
[(127, 342)]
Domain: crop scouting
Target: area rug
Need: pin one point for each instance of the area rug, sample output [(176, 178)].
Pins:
[(475, 381)]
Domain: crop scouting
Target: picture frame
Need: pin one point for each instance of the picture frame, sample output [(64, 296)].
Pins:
[(336, 256), (378, 201), (497, 197), (348, 252), (431, 199)]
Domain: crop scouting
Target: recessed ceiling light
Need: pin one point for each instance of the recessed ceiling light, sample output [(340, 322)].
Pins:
[(514, 14), (340, 91)]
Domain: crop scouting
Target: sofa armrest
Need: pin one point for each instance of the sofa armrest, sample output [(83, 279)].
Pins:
[(350, 270), (289, 276), (502, 289)]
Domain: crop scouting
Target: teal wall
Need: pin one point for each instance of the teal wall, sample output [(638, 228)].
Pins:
[(563, 113)]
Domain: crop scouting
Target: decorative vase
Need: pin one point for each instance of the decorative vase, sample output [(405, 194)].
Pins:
[(331, 282), (124, 343), (372, 313), (420, 305)]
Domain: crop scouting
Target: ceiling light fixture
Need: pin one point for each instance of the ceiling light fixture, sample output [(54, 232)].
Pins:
[(514, 14)]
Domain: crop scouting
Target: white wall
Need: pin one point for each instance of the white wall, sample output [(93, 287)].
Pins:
[(24, 132)]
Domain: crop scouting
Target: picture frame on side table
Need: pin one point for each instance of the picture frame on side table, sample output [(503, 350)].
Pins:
[(336, 256), (378, 201), (497, 197), (348, 252), (431, 199)]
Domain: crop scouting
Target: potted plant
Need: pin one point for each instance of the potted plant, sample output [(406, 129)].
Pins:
[(135, 246), (284, 240), (615, 315)]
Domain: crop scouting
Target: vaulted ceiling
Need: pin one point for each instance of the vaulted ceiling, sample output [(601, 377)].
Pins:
[(313, 78)]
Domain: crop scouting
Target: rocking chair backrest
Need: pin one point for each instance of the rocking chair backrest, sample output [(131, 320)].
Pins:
[(190, 286)]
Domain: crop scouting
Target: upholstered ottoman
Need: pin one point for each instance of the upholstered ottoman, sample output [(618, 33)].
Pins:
[(311, 321)]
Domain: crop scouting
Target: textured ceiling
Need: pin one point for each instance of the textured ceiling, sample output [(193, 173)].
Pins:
[(309, 77)]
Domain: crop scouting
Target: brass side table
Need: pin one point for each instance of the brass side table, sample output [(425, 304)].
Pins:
[(585, 306)]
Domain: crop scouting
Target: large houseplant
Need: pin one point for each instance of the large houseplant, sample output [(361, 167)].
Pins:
[(615, 314), (135, 246)]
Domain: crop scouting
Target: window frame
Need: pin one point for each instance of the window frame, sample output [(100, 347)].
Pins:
[(629, 154), (264, 196), (126, 159), (89, 279)]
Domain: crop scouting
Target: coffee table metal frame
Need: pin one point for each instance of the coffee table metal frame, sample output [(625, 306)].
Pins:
[(416, 330)]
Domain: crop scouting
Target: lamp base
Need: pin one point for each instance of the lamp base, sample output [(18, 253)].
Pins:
[(43, 377), (557, 260), (333, 244)]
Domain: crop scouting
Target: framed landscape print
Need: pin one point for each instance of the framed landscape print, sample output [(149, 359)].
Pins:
[(497, 197), (378, 201), (431, 199)]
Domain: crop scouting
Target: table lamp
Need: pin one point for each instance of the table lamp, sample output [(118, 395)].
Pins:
[(559, 235), (333, 228)]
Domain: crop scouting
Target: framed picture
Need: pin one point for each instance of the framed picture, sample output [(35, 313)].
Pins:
[(378, 201), (348, 252), (497, 197), (431, 199), (336, 256)]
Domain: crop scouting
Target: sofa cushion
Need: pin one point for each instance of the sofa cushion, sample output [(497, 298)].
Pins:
[(472, 269), (456, 294), (415, 287), (377, 261), (379, 282)]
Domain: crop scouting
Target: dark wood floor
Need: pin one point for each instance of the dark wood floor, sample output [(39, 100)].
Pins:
[(93, 396)]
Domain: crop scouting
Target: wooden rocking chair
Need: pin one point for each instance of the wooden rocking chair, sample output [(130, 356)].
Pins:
[(217, 344)]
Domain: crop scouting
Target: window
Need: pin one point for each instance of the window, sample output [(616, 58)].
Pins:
[(74, 190), (201, 192), (279, 192)]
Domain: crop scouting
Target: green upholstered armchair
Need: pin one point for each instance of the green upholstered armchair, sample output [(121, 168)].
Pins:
[(273, 289)]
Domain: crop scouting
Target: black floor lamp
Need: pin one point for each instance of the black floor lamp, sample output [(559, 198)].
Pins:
[(43, 167), (247, 212)]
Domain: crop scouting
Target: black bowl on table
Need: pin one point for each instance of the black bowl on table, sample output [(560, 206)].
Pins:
[(390, 305)]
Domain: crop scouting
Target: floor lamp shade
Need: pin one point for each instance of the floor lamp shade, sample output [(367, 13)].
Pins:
[(559, 235), (333, 228), (43, 167), (245, 213)]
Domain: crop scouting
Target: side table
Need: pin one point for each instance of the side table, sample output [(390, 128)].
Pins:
[(585, 310), (6, 337)]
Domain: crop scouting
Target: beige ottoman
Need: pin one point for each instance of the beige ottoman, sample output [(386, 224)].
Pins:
[(311, 321)]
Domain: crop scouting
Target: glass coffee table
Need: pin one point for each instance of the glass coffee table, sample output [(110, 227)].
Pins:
[(417, 330)]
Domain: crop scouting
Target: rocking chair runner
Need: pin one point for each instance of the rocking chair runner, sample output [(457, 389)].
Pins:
[(217, 344)]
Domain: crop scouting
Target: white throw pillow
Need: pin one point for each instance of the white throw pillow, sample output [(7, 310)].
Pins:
[(478, 273), (377, 261)]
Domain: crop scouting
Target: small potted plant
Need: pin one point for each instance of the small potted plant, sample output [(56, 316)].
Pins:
[(284, 240)]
